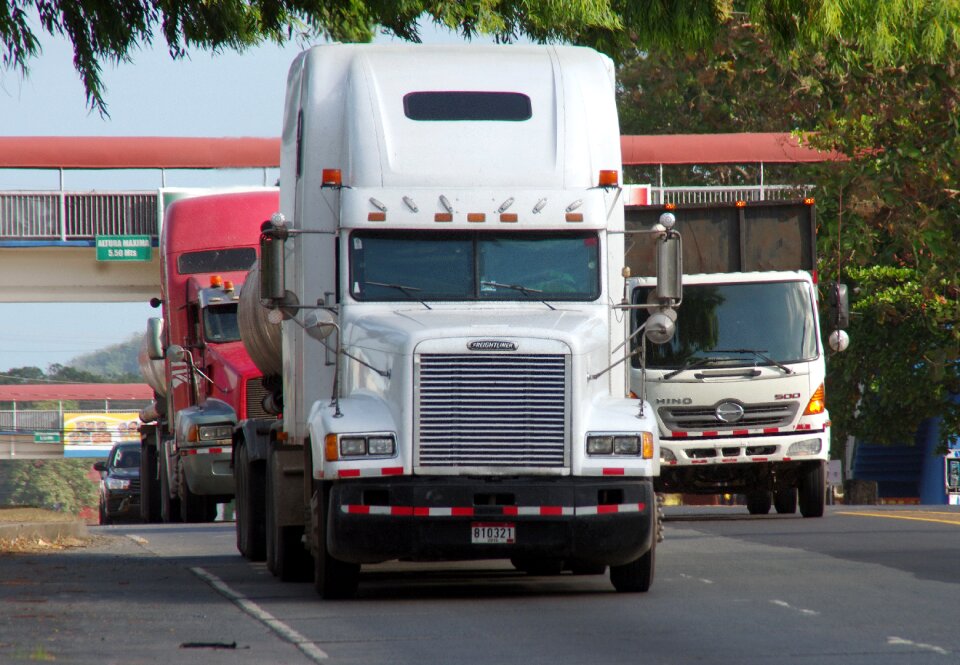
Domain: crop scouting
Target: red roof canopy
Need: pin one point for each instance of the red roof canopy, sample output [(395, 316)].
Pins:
[(748, 148), (62, 391), (152, 152)]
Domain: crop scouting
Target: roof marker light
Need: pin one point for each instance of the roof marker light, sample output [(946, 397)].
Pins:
[(442, 217), (809, 201), (476, 217), (508, 217), (376, 216), (216, 281), (669, 206), (506, 204), (574, 216), (609, 178), (741, 204), (331, 178), (227, 285)]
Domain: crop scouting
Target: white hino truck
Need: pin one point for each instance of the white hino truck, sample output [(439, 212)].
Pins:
[(441, 319), (739, 389)]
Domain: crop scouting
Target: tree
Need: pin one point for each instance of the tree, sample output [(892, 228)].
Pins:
[(53, 484), (887, 215)]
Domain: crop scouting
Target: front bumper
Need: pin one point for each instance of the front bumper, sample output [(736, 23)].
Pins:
[(208, 469), (609, 522), (122, 504)]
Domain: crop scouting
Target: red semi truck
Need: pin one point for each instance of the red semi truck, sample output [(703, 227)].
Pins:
[(204, 382)]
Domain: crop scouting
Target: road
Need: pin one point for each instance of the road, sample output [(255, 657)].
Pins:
[(864, 585)]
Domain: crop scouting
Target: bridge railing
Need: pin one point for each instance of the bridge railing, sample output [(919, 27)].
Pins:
[(728, 194), (62, 215)]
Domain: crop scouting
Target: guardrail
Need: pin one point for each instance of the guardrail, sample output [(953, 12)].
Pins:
[(728, 194), (62, 215)]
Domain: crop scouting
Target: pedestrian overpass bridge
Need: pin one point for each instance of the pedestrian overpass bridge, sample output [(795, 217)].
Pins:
[(48, 238)]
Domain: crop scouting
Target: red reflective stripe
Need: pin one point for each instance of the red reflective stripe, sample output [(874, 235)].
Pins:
[(613, 472), (461, 512), (551, 510), (511, 510), (215, 451), (605, 509), (771, 430), (402, 511), (678, 434), (710, 433), (741, 432), (349, 473), (419, 511), (358, 510), (392, 471)]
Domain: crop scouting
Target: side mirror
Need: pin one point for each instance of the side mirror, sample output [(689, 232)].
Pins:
[(320, 324), (100, 466), (272, 236), (155, 339), (176, 353), (669, 261), (839, 305), (661, 326)]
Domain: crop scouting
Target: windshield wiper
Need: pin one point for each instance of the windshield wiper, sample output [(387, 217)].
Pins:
[(759, 354), (403, 288), (518, 287), (692, 363)]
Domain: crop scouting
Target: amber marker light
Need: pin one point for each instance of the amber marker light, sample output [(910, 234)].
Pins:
[(476, 217), (442, 217), (741, 204), (574, 216), (669, 206), (816, 404), (809, 201), (216, 281), (508, 217), (647, 445), (376, 216), (227, 285), (609, 178), (331, 178), (331, 448)]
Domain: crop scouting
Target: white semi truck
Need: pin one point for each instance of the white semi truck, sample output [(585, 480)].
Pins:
[(441, 319), (739, 390)]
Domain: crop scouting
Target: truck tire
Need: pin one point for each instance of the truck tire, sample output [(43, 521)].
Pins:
[(287, 558), (194, 508), (785, 501), (169, 505), (251, 532), (332, 578), (149, 481), (636, 576), (813, 490), (759, 502)]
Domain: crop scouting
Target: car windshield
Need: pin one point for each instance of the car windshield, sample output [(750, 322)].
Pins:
[(453, 266), (220, 323), (127, 458), (736, 325)]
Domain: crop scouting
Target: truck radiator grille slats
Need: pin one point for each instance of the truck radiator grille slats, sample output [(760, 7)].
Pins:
[(700, 418), (492, 410), (255, 394)]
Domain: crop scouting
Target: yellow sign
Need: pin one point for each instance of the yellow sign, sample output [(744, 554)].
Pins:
[(100, 429)]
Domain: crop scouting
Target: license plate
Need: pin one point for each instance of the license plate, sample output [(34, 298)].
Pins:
[(498, 533)]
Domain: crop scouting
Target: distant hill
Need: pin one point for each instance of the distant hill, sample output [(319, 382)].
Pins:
[(118, 361)]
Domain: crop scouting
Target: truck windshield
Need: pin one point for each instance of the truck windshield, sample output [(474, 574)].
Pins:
[(453, 266), (736, 325), (220, 323)]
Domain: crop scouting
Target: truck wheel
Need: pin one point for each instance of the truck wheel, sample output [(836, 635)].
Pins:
[(287, 558), (251, 533), (194, 508), (813, 490), (169, 506), (785, 501), (758, 503), (332, 578), (636, 576), (149, 483)]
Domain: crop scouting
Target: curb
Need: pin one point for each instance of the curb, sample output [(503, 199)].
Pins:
[(48, 531)]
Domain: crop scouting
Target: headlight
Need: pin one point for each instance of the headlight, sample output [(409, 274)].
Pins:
[(805, 447), (625, 445), (117, 484), (214, 432), (353, 446), (666, 455), (381, 445)]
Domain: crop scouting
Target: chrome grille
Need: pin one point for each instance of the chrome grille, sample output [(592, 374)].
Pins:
[(694, 418), (492, 410), (255, 394)]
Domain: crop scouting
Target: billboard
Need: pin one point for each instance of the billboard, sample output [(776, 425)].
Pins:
[(88, 434)]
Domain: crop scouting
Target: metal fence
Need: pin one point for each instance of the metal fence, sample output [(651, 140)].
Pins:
[(23, 421), (728, 194), (61, 215)]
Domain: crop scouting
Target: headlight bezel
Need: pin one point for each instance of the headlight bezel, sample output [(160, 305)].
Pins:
[(620, 445)]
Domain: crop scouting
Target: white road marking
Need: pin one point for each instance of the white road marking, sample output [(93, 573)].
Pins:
[(137, 539), (899, 641), (309, 649), (786, 605)]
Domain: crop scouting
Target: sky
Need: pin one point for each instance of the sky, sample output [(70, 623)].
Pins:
[(230, 94)]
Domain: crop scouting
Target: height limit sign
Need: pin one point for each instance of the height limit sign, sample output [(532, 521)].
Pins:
[(123, 248)]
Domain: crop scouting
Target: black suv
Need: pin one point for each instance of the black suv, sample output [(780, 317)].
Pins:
[(120, 483)]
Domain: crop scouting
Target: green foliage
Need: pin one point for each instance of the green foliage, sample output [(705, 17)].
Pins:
[(59, 484), (903, 363)]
